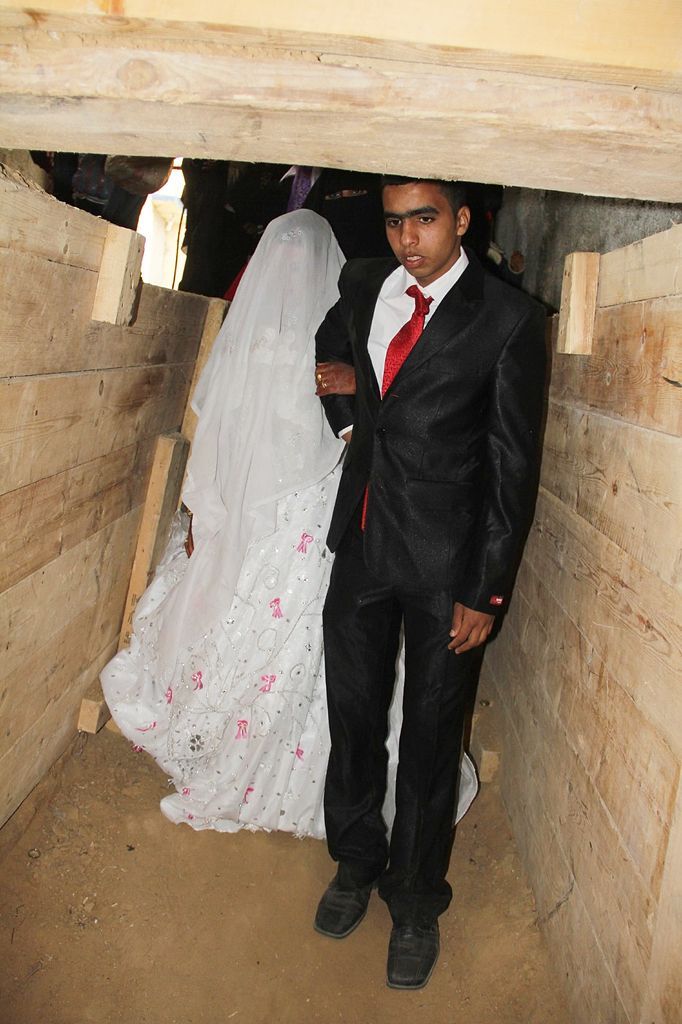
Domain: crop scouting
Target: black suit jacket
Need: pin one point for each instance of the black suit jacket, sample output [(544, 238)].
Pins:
[(450, 453)]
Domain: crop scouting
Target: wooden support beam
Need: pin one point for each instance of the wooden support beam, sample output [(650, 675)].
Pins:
[(215, 314), (578, 303), (119, 276), (94, 711), (89, 83), (648, 269), (161, 503), (34, 223), (635, 368)]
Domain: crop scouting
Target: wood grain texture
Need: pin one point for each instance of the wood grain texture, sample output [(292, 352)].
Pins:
[(648, 269), (119, 276), (161, 502), (620, 905), (94, 711), (97, 89), (53, 423), (631, 766), (629, 616), (92, 575), (47, 518), (664, 988), (62, 626), (83, 403), (562, 913), (602, 41), (216, 311), (635, 369), (45, 324), (578, 303), (588, 663), (25, 764), (37, 679), (624, 481), (33, 222)]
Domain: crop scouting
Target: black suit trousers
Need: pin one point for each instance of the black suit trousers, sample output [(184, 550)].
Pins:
[(362, 620)]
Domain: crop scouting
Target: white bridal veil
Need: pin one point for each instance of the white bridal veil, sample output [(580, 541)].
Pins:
[(261, 433)]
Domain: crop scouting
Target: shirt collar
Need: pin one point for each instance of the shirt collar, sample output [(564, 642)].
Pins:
[(439, 288)]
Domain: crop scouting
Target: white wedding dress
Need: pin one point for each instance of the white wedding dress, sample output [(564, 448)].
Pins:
[(223, 682)]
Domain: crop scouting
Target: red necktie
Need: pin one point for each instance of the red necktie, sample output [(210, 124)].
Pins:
[(400, 347), (398, 350)]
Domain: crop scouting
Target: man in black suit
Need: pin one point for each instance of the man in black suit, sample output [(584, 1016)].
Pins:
[(433, 507)]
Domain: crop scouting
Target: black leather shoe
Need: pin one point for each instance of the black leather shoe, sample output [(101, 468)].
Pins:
[(412, 955), (340, 911)]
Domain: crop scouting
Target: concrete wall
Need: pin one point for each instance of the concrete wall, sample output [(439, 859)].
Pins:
[(546, 226)]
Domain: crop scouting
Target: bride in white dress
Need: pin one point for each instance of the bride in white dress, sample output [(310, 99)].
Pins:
[(223, 682)]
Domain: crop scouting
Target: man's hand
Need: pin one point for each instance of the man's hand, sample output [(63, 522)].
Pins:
[(334, 379), (469, 628)]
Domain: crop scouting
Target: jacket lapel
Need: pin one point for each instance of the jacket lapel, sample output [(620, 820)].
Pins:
[(377, 273), (454, 314)]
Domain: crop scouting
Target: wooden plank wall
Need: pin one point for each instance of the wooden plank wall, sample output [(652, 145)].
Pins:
[(81, 404), (586, 669)]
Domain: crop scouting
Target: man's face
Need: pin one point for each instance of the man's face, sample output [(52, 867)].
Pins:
[(422, 229)]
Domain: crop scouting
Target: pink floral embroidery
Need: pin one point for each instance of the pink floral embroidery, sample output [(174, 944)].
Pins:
[(276, 609), (267, 683), (242, 728), (197, 678), (169, 695), (186, 791), (147, 728), (190, 817), (299, 753), (249, 789), (138, 750), (302, 545)]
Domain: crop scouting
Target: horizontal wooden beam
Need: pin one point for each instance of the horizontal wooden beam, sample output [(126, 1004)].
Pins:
[(603, 32), (113, 85), (35, 223), (648, 269)]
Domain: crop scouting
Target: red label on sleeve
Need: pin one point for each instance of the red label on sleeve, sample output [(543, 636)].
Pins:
[(496, 599)]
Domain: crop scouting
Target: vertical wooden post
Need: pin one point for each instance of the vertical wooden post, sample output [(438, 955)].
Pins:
[(163, 494), (578, 303), (215, 314), (119, 276)]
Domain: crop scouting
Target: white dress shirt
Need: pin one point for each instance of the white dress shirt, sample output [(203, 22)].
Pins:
[(394, 308)]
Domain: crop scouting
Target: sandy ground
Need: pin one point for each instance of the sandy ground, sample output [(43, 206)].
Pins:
[(109, 913)]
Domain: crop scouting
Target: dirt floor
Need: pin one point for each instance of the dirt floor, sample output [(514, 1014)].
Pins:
[(109, 913)]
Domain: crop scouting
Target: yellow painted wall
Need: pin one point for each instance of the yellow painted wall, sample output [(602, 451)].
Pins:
[(624, 33)]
